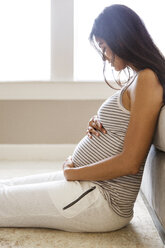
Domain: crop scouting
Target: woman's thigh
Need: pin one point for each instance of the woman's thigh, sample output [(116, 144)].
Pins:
[(97, 218), (44, 199), (70, 206)]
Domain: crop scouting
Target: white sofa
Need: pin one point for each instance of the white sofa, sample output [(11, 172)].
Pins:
[(153, 182)]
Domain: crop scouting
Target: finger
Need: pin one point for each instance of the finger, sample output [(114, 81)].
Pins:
[(91, 121), (72, 164), (103, 130), (89, 135), (70, 158), (98, 124), (93, 131)]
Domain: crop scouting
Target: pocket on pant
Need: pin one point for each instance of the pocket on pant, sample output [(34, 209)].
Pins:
[(72, 198)]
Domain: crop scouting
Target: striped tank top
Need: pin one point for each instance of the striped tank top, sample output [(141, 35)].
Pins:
[(120, 192)]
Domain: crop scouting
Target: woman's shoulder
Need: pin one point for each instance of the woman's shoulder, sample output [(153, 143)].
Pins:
[(148, 76), (146, 83)]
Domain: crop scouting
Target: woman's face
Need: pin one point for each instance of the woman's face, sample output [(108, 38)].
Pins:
[(115, 61)]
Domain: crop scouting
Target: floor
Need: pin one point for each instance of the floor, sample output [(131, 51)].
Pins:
[(139, 233)]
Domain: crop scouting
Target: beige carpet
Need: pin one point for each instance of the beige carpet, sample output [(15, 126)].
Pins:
[(139, 233)]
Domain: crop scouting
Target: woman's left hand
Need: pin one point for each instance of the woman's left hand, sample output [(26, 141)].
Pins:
[(67, 165)]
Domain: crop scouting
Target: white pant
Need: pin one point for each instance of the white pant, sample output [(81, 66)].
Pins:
[(49, 201)]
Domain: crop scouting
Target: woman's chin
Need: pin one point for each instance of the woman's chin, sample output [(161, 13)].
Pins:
[(117, 69)]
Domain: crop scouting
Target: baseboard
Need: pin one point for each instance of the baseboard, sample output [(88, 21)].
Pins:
[(57, 152)]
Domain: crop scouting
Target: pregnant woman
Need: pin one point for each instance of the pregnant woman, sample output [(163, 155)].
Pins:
[(99, 183)]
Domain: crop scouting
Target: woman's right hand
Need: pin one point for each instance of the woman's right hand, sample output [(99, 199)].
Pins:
[(94, 125)]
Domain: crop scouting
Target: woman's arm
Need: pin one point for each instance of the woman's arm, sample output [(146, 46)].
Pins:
[(146, 101)]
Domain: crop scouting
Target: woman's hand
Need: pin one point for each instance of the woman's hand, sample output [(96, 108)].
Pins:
[(66, 167), (94, 125)]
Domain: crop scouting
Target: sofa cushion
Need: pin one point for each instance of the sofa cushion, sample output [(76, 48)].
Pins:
[(159, 137)]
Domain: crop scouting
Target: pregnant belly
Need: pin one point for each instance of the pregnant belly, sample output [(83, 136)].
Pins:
[(92, 150)]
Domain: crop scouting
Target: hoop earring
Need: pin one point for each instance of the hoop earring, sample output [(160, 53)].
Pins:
[(117, 81), (129, 74), (104, 66), (131, 78)]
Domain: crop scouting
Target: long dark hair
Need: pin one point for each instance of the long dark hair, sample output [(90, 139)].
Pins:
[(126, 35)]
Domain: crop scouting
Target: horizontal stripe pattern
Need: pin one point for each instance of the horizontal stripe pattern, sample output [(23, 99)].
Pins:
[(120, 192)]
